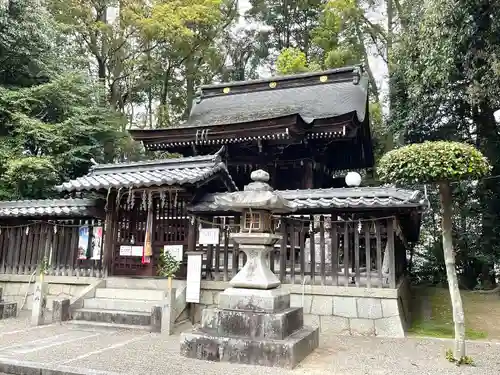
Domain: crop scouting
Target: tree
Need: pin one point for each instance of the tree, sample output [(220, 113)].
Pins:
[(285, 24), (291, 61), (439, 162), (447, 86), (52, 122)]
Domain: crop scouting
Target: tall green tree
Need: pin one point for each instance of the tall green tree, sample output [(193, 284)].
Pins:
[(447, 69), (439, 163), (52, 122), (285, 24)]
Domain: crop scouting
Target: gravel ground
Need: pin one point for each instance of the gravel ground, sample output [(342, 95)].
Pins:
[(131, 352)]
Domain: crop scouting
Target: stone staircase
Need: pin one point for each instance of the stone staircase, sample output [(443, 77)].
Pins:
[(125, 304)]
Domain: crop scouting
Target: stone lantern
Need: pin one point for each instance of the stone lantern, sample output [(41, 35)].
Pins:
[(257, 202), (253, 323)]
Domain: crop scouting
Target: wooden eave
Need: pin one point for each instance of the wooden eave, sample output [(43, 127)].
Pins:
[(283, 128)]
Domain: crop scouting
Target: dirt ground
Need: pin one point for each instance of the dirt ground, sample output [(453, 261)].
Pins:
[(432, 314)]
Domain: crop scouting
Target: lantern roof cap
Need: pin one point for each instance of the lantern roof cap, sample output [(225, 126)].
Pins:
[(257, 195)]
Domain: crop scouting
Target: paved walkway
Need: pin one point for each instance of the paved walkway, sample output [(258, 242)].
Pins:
[(130, 352)]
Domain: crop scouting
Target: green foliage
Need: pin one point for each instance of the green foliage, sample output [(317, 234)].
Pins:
[(291, 61), (52, 122), (466, 360), (432, 162), (27, 38), (44, 266), (287, 24), (168, 265)]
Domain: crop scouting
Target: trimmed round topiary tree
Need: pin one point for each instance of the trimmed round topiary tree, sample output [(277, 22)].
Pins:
[(439, 163)]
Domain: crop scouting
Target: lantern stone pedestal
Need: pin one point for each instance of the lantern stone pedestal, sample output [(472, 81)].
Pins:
[(253, 323)]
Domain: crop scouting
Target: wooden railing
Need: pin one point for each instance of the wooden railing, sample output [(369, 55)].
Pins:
[(316, 250), (23, 246)]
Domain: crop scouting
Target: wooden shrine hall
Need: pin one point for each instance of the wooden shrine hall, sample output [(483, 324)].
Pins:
[(301, 129), (298, 128)]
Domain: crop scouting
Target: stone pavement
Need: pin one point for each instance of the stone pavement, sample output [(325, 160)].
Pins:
[(78, 350)]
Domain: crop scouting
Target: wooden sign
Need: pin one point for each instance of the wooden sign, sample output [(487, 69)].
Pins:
[(209, 236), (193, 282), (174, 250)]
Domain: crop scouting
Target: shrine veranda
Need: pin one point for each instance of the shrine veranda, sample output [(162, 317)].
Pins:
[(343, 253)]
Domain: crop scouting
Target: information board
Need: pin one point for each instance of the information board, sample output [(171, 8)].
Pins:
[(174, 250), (209, 236), (193, 283)]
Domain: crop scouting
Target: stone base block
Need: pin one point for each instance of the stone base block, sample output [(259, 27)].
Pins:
[(272, 300), (252, 324), (61, 310), (285, 353), (8, 310)]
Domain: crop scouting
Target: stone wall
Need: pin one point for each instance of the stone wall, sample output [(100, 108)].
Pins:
[(339, 310), (15, 288)]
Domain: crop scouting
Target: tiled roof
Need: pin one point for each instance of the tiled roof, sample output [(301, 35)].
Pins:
[(180, 171), (48, 207), (341, 198), (312, 96)]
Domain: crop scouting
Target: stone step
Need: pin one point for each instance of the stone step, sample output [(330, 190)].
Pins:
[(251, 324), (113, 316), (120, 304), (141, 283), (110, 326), (131, 294)]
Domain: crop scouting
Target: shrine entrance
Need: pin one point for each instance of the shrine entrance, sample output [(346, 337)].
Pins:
[(169, 226)]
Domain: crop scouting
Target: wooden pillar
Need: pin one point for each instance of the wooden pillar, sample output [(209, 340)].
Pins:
[(308, 176), (109, 233)]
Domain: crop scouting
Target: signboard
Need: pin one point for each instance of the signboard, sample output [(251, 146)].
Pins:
[(83, 242), (137, 251), (96, 243), (209, 236), (193, 282), (125, 251), (174, 250)]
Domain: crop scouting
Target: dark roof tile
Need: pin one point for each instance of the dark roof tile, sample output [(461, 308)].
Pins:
[(48, 207), (303, 95), (180, 171)]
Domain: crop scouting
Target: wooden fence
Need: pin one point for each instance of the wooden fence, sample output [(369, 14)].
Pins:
[(24, 246), (317, 250)]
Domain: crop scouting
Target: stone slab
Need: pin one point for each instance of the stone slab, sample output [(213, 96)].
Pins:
[(252, 324), (108, 316), (369, 308), (272, 300), (389, 327), (274, 353), (14, 367), (8, 310)]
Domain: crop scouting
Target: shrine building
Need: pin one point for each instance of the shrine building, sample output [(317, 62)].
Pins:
[(348, 246)]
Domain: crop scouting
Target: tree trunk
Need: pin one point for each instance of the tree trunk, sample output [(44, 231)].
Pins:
[(451, 272)]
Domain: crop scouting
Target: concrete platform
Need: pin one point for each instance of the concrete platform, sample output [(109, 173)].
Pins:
[(71, 350)]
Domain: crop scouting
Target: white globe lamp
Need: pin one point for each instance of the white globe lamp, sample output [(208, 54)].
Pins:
[(353, 179)]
